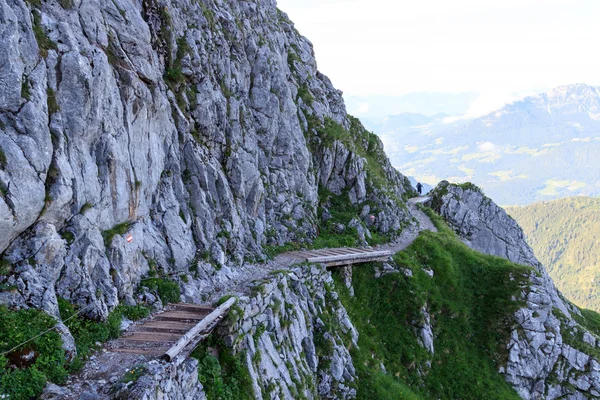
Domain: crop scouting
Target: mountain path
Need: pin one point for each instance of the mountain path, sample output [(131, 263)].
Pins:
[(106, 367)]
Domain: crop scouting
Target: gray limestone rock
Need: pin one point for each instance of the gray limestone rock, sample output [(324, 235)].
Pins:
[(199, 135)]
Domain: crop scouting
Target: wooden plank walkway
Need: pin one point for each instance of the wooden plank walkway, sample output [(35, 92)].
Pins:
[(156, 335), (341, 256)]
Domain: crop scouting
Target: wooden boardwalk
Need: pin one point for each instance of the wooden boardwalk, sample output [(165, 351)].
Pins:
[(341, 256), (167, 333)]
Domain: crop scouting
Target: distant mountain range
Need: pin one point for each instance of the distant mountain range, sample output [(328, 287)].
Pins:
[(565, 236), (540, 148)]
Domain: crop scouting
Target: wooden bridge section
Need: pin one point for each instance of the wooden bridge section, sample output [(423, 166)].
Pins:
[(341, 256), (175, 331)]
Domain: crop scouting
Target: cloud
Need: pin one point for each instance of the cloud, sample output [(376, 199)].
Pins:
[(482, 157), (487, 146), (554, 187), (526, 150), (453, 151), (507, 176), (411, 149), (466, 170)]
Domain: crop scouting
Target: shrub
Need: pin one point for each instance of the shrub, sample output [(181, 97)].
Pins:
[(134, 313), (225, 377), (167, 290)]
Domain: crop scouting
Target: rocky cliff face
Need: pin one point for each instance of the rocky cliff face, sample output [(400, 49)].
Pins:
[(551, 354), (203, 129)]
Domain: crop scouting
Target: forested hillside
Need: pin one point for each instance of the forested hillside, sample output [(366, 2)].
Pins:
[(565, 235)]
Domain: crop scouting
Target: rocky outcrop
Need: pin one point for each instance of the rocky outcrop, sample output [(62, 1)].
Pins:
[(164, 381), (201, 130), (550, 353), (296, 335)]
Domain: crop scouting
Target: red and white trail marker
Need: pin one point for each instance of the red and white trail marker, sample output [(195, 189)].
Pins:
[(129, 238)]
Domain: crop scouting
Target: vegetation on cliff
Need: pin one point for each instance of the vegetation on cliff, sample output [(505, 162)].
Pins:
[(470, 302), (564, 236)]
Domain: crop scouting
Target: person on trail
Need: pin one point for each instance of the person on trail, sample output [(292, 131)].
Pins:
[(419, 188)]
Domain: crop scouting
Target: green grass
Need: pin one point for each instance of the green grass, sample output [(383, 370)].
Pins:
[(167, 290), (134, 374), (304, 94), (53, 106), (134, 313), (87, 332), (225, 377), (119, 229), (28, 381), (469, 299), (292, 58), (44, 42), (50, 364), (86, 207), (3, 160), (25, 89)]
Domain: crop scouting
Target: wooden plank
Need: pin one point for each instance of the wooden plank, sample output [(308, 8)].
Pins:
[(361, 251), (348, 251), (150, 329), (332, 252), (192, 307), (194, 320), (325, 252), (202, 325), (180, 313), (147, 351), (343, 263), (350, 257), (153, 336), (169, 324)]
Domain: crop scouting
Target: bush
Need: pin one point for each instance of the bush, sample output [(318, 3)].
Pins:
[(225, 378), (167, 290), (134, 313)]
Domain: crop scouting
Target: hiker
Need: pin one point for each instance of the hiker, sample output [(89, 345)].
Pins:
[(419, 188)]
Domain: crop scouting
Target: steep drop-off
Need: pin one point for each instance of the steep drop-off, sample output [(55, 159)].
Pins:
[(553, 347), (565, 236)]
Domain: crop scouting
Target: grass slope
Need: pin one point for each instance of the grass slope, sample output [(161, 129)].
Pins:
[(469, 299), (565, 236)]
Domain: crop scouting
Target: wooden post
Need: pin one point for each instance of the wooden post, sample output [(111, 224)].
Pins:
[(200, 327)]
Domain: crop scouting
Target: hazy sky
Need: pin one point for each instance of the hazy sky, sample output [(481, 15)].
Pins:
[(497, 49)]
